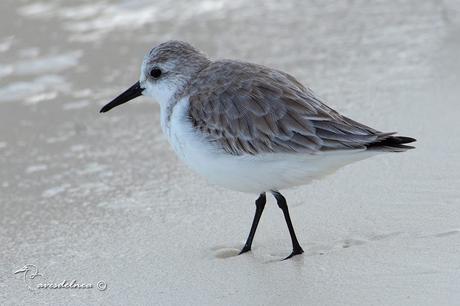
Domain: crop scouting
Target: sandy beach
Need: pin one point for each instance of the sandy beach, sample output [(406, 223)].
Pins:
[(103, 200)]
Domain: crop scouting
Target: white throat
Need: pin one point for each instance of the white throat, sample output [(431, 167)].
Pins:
[(164, 93)]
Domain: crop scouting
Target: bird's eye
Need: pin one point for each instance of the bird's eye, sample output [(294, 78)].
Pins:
[(155, 73)]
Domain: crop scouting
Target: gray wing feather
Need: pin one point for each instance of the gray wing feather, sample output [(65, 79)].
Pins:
[(250, 109)]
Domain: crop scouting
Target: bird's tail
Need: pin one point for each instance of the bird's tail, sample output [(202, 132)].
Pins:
[(392, 144)]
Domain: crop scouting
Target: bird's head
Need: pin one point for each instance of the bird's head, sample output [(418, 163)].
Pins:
[(22, 270), (26, 268), (165, 70)]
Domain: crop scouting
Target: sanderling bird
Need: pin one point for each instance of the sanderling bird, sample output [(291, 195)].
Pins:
[(248, 127)]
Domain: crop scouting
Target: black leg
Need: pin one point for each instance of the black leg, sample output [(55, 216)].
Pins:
[(260, 205), (296, 248)]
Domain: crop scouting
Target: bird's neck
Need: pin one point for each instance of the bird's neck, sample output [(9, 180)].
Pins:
[(168, 98)]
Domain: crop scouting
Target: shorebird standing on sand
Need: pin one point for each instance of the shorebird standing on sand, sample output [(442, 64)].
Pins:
[(248, 127)]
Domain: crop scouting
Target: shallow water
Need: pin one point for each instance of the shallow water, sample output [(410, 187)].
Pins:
[(102, 197)]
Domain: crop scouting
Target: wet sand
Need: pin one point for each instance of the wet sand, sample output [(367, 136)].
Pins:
[(98, 197)]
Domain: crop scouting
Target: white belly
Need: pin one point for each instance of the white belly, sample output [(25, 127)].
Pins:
[(248, 173)]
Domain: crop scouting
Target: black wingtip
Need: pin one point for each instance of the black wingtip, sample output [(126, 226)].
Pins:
[(403, 139), (393, 143)]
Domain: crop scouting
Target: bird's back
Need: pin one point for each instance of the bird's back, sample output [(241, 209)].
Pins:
[(245, 108)]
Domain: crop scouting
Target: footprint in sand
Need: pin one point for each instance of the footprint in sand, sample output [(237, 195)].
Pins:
[(448, 233), (225, 251)]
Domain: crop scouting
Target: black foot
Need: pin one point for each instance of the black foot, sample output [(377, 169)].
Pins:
[(295, 251), (245, 249)]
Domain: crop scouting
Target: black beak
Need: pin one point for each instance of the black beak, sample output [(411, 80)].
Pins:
[(131, 93)]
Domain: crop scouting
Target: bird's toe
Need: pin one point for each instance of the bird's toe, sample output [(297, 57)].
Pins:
[(295, 251), (245, 249)]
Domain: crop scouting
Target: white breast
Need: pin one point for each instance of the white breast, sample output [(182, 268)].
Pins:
[(247, 173)]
